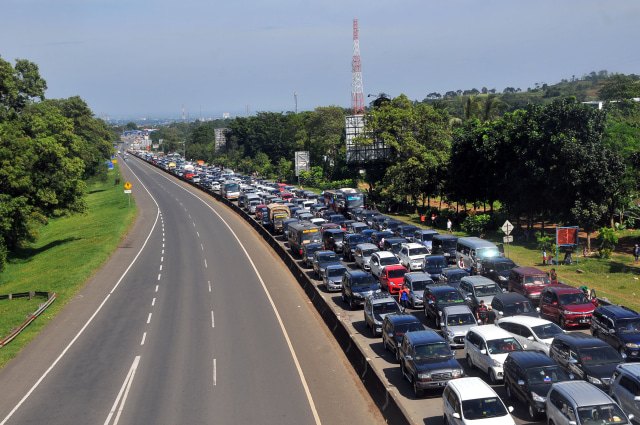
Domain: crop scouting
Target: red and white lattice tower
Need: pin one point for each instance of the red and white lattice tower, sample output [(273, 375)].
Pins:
[(357, 91)]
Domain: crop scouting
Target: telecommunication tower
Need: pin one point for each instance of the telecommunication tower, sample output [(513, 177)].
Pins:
[(357, 91), (183, 119)]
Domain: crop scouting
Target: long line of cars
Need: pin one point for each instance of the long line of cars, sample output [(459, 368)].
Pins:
[(569, 377)]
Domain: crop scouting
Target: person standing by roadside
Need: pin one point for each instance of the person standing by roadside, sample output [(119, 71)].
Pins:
[(636, 252), (491, 316), (433, 221), (403, 297), (553, 276), (544, 257), (449, 225), (481, 312)]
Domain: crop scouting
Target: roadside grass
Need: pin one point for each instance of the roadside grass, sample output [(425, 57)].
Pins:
[(69, 251)]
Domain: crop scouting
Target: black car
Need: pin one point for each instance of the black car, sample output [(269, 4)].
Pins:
[(307, 253), (356, 285), (437, 297), (393, 244), (586, 357), (427, 361), (392, 225), (356, 214), (452, 277), (619, 326), (433, 265), (497, 269), (333, 239), (510, 304), (394, 327), (322, 259), (349, 243), (376, 237), (406, 231), (445, 245), (528, 377)]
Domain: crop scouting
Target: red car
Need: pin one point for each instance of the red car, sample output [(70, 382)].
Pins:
[(566, 305), (392, 277)]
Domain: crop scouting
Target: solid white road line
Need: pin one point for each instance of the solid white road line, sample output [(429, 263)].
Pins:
[(124, 392)]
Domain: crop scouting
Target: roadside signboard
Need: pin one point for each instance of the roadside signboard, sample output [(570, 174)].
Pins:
[(507, 228), (127, 185)]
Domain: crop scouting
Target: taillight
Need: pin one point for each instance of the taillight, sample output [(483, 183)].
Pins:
[(300, 252)]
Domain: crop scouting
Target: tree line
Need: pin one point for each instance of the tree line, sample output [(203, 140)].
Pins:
[(49, 149)]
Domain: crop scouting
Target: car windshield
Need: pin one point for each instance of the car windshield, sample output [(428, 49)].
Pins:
[(396, 246), (505, 345), (363, 280), (356, 239), (451, 297), (461, 319), (329, 258), (537, 280), (419, 251), (546, 375), (547, 331), (629, 326), (312, 249), (485, 253), (487, 290), (435, 263), (432, 351), (456, 277), (576, 298), (407, 230), (396, 273), (514, 309), (385, 308), (337, 271), (483, 408), (426, 237), (599, 356), (368, 252), (403, 328), (603, 414), (387, 261), (504, 266), (419, 285)]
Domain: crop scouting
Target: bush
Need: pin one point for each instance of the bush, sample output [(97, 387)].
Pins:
[(607, 240), (476, 224)]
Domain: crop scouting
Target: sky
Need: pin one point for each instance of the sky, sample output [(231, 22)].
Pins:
[(136, 58)]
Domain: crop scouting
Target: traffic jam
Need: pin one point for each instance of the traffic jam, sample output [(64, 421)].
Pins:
[(459, 320)]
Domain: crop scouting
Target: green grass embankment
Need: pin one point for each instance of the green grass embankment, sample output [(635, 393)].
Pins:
[(69, 251)]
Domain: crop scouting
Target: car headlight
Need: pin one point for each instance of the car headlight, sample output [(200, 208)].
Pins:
[(631, 345), (496, 363), (457, 373), (424, 376), (450, 334), (594, 381), (418, 296), (566, 312), (502, 278), (358, 295), (538, 398)]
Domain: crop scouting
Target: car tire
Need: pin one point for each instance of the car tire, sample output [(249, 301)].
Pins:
[(493, 378), (352, 305), (622, 351), (373, 330), (533, 412), (417, 392), (470, 362), (507, 389), (562, 323), (344, 299), (386, 347), (397, 356)]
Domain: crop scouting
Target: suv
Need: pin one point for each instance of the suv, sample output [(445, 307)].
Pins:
[(323, 258), (349, 243), (427, 361), (406, 231), (586, 357), (625, 388), (391, 278), (456, 320), (377, 237), (512, 304), (445, 245), (332, 278), (476, 288), (332, 239), (417, 282), (376, 307), (394, 326), (356, 285), (393, 245), (498, 270), (528, 377), (452, 277), (433, 265), (487, 347), (528, 281), (436, 298), (619, 326), (307, 253), (380, 260), (412, 255), (536, 333), (425, 237), (578, 402), (362, 255), (468, 401), (567, 305)]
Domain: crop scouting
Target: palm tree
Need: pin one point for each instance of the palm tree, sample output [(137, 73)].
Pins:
[(470, 106), (492, 107)]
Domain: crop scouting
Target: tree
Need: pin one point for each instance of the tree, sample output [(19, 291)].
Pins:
[(619, 87), (130, 126), (19, 86), (491, 107), (470, 106)]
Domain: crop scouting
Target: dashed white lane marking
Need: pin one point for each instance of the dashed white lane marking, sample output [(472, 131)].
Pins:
[(194, 223), (144, 336), (209, 282), (213, 323), (215, 378), (197, 233), (153, 302), (205, 264), (163, 252), (202, 247), (149, 318), (159, 274), (157, 286), (160, 266), (161, 259)]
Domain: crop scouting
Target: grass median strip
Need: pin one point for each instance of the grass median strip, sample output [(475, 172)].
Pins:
[(70, 250)]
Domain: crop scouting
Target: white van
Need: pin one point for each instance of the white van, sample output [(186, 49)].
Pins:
[(487, 347), (473, 251)]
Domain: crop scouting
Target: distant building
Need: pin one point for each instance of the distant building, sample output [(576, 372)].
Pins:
[(226, 115), (221, 139)]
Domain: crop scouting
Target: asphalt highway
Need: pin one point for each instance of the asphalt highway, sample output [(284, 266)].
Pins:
[(194, 320)]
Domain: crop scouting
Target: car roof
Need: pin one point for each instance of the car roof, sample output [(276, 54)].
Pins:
[(366, 246), (491, 332), (395, 266), (336, 266), (422, 337), (442, 287), (403, 317), (530, 321), (581, 339), (472, 387), (561, 288), (527, 270), (392, 240), (454, 271), (414, 245), (532, 359), (508, 297), (445, 236), (323, 252), (630, 368), (418, 275), (426, 231), (383, 254), (457, 309), (499, 260), (618, 311), (582, 393), (477, 280)]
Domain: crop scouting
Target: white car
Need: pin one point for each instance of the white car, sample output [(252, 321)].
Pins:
[(381, 259), (487, 348), (411, 256), (537, 334), (467, 401), (455, 322)]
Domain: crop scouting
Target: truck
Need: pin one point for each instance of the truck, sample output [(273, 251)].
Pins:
[(277, 214), (303, 233)]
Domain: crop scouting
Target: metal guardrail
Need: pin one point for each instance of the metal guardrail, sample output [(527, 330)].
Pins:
[(15, 331)]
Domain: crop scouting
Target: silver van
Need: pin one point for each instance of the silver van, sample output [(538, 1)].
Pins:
[(473, 251), (625, 388), (579, 402)]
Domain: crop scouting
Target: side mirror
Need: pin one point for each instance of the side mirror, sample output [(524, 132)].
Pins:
[(504, 290), (408, 357), (520, 382), (456, 415), (572, 423), (390, 334), (612, 331), (483, 352), (510, 409), (624, 355), (571, 376), (538, 309), (573, 361), (479, 322)]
